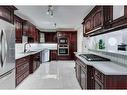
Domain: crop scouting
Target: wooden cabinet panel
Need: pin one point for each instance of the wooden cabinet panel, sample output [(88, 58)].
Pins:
[(25, 28), (22, 69), (53, 55), (78, 71), (18, 22), (73, 44), (85, 75), (50, 37), (31, 31), (125, 11), (99, 18), (88, 25), (7, 13), (34, 62), (110, 81), (120, 22)]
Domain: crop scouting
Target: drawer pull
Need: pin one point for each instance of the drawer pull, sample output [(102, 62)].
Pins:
[(92, 77)]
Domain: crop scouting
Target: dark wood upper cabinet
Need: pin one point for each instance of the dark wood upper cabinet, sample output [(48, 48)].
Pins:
[(99, 18), (31, 31), (50, 37), (104, 19), (25, 27), (121, 21), (7, 13), (18, 22), (37, 36), (88, 25)]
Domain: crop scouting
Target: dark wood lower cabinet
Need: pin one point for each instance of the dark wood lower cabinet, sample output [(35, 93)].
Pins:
[(110, 81), (84, 74), (26, 66), (53, 55), (34, 62), (78, 71), (91, 78), (22, 69), (83, 79)]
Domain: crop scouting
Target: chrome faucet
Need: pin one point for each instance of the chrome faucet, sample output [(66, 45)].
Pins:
[(25, 46)]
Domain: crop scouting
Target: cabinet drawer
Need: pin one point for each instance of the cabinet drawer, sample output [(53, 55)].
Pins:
[(99, 76), (22, 77), (22, 68), (21, 61), (21, 72)]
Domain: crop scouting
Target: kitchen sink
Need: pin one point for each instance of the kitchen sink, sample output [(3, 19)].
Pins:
[(28, 52)]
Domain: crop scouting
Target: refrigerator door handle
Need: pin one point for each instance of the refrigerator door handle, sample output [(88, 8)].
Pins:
[(3, 47)]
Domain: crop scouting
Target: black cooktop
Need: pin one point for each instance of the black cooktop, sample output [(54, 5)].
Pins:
[(93, 57)]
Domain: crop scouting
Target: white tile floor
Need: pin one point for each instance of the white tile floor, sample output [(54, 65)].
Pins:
[(52, 75)]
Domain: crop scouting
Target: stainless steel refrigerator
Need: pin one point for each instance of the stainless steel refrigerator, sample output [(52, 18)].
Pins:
[(7, 55)]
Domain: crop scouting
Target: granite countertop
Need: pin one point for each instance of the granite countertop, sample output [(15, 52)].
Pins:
[(106, 67), (22, 54)]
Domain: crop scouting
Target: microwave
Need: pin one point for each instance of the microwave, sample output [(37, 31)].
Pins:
[(63, 40)]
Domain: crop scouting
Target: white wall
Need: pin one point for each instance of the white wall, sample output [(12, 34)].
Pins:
[(79, 39)]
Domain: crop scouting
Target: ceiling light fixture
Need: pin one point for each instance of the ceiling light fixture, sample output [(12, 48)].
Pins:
[(50, 10)]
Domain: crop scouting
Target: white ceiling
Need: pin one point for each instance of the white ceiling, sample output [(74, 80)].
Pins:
[(64, 16)]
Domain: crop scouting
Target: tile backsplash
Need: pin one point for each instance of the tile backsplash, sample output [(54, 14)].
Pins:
[(111, 40)]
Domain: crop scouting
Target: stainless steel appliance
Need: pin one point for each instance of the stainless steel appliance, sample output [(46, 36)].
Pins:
[(45, 56), (63, 40), (63, 50), (7, 52), (122, 47), (92, 57)]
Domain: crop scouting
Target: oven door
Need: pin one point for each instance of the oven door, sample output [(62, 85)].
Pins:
[(63, 51)]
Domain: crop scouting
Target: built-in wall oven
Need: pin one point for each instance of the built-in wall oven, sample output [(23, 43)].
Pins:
[(63, 46), (63, 50)]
